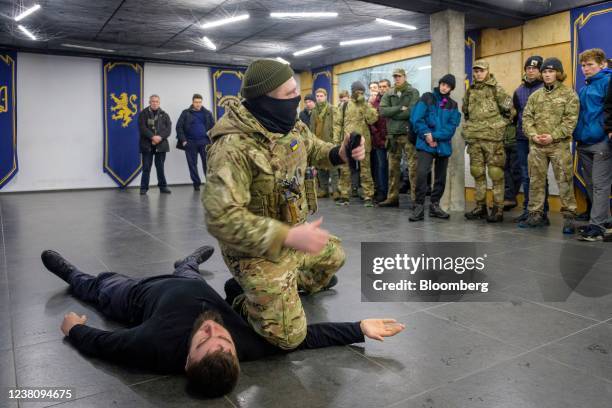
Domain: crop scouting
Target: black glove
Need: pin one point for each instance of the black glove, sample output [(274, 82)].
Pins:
[(354, 141)]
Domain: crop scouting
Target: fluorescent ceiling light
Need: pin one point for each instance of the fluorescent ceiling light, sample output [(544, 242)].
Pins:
[(366, 40), (27, 12), (225, 21), (304, 14), (26, 32), (284, 61), (308, 50), (395, 24), (84, 47), (209, 44), (173, 52), (424, 67)]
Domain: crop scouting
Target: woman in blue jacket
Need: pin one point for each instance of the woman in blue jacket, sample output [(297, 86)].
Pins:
[(434, 120), (593, 142)]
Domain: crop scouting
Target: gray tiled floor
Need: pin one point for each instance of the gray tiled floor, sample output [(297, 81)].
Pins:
[(547, 345)]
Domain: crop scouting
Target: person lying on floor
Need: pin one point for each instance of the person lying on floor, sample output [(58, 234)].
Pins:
[(179, 324)]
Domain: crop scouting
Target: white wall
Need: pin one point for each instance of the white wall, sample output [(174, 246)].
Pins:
[(59, 120)]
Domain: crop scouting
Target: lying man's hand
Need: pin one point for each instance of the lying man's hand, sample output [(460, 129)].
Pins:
[(71, 320), (308, 237), (376, 329)]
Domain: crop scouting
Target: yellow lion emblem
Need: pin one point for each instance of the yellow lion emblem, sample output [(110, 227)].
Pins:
[(124, 112)]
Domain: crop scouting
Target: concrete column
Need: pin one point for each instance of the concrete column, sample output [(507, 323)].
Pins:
[(447, 31)]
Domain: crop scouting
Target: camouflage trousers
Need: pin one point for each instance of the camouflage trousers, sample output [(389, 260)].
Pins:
[(560, 156), (488, 156), (271, 302), (365, 178), (396, 145), (324, 176)]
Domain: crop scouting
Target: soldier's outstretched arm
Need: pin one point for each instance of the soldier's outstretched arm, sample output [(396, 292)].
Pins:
[(569, 118), (318, 150), (225, 198)]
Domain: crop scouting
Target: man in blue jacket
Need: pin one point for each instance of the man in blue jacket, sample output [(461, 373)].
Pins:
[(434, 118), (593, 142), (192, 133)]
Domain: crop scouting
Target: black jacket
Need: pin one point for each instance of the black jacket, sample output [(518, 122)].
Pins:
[(162, 126), (608, 110), (162, 311), (305, 116), (184, 123)]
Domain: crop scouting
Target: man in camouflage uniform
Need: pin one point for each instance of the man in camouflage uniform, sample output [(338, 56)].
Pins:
[(396, 105), (355, 116), (549, 119), (322, 126), (488, 111), (256, 203)]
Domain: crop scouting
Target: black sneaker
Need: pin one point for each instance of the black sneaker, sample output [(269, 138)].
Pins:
[(165, 190), (196, 188), (592, 233), (437, 212), (585, 216), (201, 255), (57, 264), (418, 213), (143, 192), (523, 217)]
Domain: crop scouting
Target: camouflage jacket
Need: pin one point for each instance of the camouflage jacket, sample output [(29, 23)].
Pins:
[(244, 199), (357, 117), (391, 108), (488, 110), (322, 122), (553, 111)]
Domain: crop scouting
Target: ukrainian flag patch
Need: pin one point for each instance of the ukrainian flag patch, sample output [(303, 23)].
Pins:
[(294, 145)]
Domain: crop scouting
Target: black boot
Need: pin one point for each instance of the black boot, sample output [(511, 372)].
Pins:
[(165, 190), (200, 255), (332, 282), (57, 264), (418, 213), (478, 213), (437, 212), (496, 215)]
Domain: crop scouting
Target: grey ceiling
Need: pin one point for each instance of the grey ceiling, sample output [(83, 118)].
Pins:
[(142, 29)]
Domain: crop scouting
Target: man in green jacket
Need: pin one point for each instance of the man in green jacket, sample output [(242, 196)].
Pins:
[(396, 105), (322, 126)]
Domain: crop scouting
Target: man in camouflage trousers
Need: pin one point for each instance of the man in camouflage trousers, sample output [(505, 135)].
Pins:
[(322, 126), (488, 110), (396, 106), (256, 203), (549, 119), (355, 116)]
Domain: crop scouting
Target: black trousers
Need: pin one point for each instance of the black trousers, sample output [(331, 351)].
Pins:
[(424, 162), (192, 151), (111, 292), (147, 162), (512, 174)]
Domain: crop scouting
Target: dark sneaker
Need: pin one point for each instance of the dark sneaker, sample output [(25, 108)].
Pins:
[(496, 215), (592, 233), (418, 213), (143, 192), (437, 212), (200, 255), (368, 203), (585, 216), (478, 213), (57, 264), (165, 190), (389, 203), (569, 226), (196, 188), (523, 217)]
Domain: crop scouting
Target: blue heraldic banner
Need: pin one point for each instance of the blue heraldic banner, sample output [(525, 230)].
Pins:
[(226, 88), (590, 28), (322, 78), (122, 93), (471, 39), (8, 117)]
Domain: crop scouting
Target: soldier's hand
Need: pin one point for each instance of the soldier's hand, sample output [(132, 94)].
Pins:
[(377, 329), (546, 139), (308, 237), (71, 320), (358, 153)]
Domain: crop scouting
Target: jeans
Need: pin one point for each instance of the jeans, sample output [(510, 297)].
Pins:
[(380, 171), (424, 162), (512, 174), (147, 163)]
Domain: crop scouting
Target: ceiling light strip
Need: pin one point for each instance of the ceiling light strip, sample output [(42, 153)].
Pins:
[(225, 21), (27, 32), (395, 24), (85, 47), (314, 14), (308, 50), (27, 12), (366, 40)]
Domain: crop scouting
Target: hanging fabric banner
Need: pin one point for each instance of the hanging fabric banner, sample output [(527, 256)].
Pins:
[(226, 88), (322, 78), (8, 117), (122, 93), (590, 28), (471, 39)]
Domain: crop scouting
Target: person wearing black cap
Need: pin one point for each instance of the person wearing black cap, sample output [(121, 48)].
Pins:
[(549, 119), (434, 119), (309, 105), (256, 203), (532, 81)]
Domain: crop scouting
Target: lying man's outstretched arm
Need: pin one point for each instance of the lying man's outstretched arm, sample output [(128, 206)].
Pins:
[(339, 334)]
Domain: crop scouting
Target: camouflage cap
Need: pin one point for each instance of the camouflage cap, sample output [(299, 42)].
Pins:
[(399, 71), (482, 64)]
